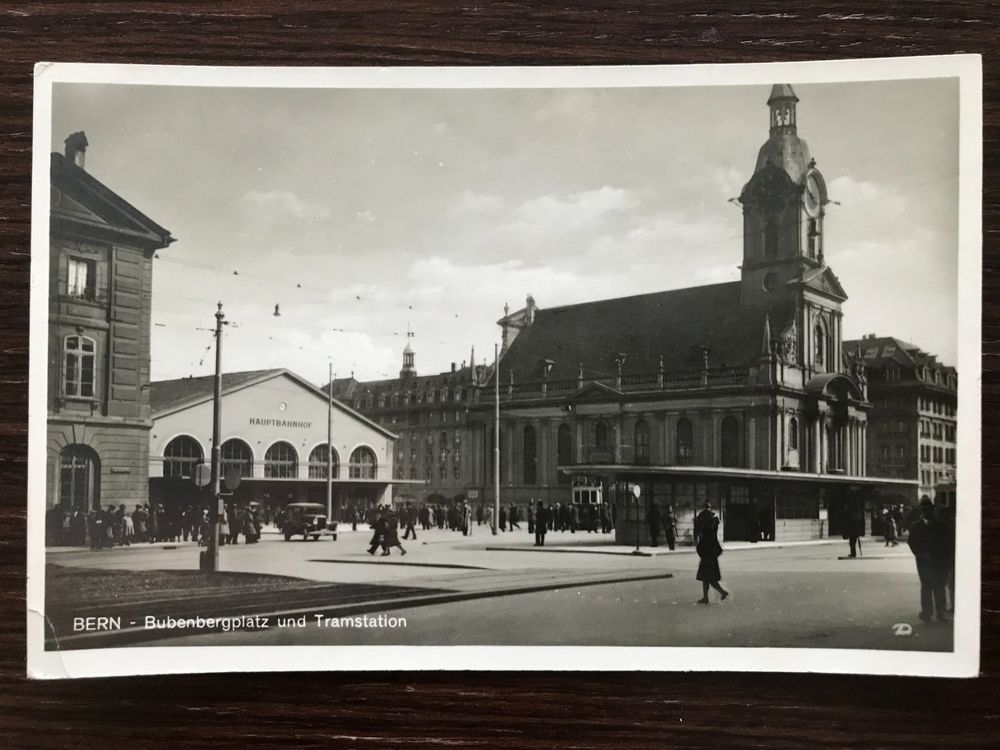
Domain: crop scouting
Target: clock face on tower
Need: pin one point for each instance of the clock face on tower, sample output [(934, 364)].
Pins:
[(813, 197)]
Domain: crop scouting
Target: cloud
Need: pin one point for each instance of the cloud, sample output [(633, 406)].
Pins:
[(366, 216), (480, 203), (287, 203)]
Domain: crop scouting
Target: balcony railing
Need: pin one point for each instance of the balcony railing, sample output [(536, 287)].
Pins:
[(641, 382)]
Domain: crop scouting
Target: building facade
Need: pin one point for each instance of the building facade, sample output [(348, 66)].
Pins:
[(429, 414), (100, 280), (737, 394), (274, 438), (912, 429)]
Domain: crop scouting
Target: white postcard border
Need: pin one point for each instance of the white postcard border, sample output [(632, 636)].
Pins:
[(962, 662)]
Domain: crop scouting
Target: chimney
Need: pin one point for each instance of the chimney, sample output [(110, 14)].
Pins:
[(453, 367), (529, 309), (76, 148)]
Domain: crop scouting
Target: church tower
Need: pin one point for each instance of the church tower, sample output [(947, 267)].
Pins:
[(409, 370), (783, 267)]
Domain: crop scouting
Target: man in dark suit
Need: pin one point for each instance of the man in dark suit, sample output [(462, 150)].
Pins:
[(541, 524), (931, 541)]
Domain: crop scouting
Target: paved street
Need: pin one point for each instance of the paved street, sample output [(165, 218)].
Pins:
[(783, 596)]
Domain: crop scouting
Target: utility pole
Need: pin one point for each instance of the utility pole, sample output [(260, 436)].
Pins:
[(329, 448), (496, 439), (213, 538)]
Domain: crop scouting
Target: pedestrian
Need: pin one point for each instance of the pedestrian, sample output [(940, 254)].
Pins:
[(467, 519), (128, 527), (390, 537), (377, 524), (931, 542), (541, 524), (573, 517), (670, 527), (889, 523), (653, 520), (855, 526), (503, 518), (706, 536), (488, 520), (513, 518), (409, 518), (77, 528), (531, 516)]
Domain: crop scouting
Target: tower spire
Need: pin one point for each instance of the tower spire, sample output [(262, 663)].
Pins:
[(409, 370)]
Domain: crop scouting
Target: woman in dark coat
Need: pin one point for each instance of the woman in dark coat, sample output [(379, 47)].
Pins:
[(390, 537), (706, 539)]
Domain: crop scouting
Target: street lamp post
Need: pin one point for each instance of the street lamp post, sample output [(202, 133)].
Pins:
[(329, 449), (213, 537), (496, 438)]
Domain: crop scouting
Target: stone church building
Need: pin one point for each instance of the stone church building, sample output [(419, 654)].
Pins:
[(738, 393)]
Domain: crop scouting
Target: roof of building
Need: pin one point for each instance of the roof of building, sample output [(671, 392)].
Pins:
[(167, 396), (674, 325), (782, 91), (350, 388), (879, 351), (86, 201)]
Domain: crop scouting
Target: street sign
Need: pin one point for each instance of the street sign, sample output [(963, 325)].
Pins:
[(636, 490), (473, 494), (202, 475), (233, 478)]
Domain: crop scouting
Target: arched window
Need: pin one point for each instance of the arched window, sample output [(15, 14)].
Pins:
[(641, 442), (79, 366), (793, 434), (601, 441), (820, 346), (730, 441), (318, 458), (771, 239), (363, 464), (180, 457), (79, 478), (530, 456), (237, 455), (685, 441), (281, 462), (564, 450)]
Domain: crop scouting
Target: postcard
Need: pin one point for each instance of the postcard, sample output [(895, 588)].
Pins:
[(610, 368)]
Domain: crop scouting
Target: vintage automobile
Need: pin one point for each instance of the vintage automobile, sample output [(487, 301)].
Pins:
[(307, 519)]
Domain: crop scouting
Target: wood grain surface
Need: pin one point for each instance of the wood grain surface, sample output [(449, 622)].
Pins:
[(468, 709)]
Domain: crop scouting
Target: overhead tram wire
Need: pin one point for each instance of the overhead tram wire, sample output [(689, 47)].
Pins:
[(270, 279), (325, 293)]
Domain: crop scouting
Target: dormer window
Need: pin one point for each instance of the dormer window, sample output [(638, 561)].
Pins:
[(81, 278)]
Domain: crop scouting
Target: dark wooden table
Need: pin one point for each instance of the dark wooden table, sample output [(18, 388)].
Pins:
[(471, 710)]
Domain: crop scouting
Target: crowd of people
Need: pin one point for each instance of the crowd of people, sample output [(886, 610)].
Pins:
[(113, 526)]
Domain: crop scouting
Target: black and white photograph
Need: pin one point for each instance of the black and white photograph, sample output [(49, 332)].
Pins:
[(670, 368)]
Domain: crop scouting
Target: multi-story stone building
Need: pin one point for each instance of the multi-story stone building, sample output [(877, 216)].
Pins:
[(911, 431), (735, 393), (100, 281), (428, 412)]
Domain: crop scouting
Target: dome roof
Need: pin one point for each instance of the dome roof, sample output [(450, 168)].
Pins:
[(787, 152)]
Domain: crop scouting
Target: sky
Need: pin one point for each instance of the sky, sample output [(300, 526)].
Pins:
[(362, 213)]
